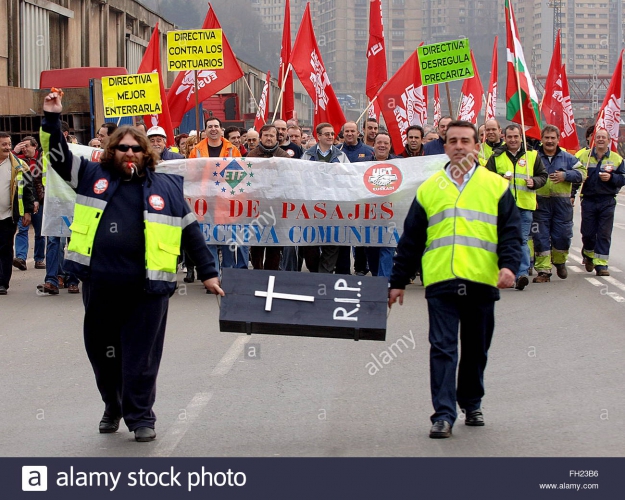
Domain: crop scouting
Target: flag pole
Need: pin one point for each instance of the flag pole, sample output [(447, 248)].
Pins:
[(252, 94), (197, 104), (289, 67), (449, 99), (518, 86), (367, 108)]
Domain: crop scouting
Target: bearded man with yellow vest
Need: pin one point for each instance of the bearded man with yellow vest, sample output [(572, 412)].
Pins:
[(129, 224), (525, 172), (464, 227), (606, 177)]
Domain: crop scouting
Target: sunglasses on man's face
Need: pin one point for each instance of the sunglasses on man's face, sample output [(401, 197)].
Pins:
[(125, 147)]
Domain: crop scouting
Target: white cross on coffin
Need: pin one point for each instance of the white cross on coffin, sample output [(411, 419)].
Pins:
[(270, 294)]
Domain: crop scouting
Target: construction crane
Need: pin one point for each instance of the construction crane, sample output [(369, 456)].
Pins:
[(556, 5)]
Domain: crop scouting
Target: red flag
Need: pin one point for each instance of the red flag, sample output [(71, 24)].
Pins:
[(181, 95), (437, 106), (610, 114), (307, 63), (521, 96), (288, 99), (151, 63), (262, 115), (556, 105), (491, 98), (376, 52), (471, 96), (404, 104)]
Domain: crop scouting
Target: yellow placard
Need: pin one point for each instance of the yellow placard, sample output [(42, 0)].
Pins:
[(194, 50), (131, 95), (445, 61)]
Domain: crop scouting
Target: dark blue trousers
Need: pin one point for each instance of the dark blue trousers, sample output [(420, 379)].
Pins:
[(476, 320), (124, 331), (597, 224)]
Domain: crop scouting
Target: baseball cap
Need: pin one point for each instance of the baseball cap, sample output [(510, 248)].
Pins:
[(157, 131)]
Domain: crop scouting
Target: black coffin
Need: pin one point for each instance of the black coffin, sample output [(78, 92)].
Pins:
[(304, 304)]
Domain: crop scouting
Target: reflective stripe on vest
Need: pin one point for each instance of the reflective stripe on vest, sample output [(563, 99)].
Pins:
[(524, 196), (462, 228), (20, 191)]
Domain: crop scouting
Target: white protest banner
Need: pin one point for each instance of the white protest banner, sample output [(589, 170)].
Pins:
[(286, 202)]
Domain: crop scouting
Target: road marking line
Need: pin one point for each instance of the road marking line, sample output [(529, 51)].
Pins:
[(612, 295), (168, 443), (616, 296), (615, 269), (230, 357), (614, 282), (594, 281), (576, 259), (575, 269)]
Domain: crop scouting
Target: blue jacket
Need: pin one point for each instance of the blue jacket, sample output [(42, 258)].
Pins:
[(435, 147), (562, 162), (90, 179), (358, 152), (593, 185), (170, 155)]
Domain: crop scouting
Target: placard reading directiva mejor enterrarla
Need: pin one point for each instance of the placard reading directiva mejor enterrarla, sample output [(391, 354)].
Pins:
[(131, 95), (445, 61), (194, 50)]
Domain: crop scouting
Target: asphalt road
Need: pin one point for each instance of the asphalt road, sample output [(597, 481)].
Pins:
[(555, 379)]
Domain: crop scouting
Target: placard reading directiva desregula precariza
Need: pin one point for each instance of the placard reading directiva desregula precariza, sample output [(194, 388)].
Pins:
[(131, 95), (194, 50), (445, 61)]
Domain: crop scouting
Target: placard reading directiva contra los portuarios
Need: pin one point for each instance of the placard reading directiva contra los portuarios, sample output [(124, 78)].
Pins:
[(445, 61), (194, 50)]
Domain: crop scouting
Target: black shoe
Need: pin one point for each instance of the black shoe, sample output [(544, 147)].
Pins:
[(145, 434), (474, 418), (522, 282), (109, 424), (20, 264), (441, 429), (190, 277), (3, 290)]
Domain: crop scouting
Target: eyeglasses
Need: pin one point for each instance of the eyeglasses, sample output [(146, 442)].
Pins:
[(125, 147), (328, 134)]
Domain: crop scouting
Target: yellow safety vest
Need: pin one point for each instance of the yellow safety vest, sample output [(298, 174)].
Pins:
[(462, 227), (524, 168)]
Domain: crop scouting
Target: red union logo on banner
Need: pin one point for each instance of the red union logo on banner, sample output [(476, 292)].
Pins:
[(320, 80)]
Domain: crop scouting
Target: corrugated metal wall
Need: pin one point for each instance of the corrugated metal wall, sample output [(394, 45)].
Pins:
[(134, 54), (35, 44)]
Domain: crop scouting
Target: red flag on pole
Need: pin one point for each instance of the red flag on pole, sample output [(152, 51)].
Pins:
[(376, 52), (181, 95), (437, 106), (521, 96), (491, 97), (556, 105), (471, 96), (288, 99), (308, 65), (404, 101), (262, 114), (610, 114), (151, 63)]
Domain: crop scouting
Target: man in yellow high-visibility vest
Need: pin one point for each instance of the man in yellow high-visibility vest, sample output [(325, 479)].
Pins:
[(464, 226)]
